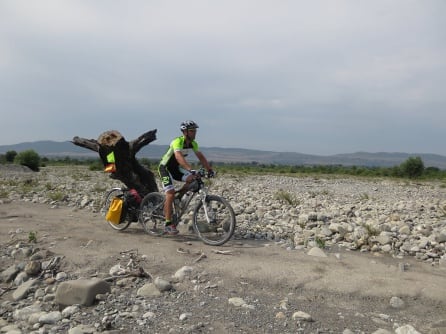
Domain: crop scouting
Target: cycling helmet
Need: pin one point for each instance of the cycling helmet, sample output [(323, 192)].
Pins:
[(187, 125)]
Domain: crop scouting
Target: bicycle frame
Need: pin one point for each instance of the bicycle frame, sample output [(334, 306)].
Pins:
[(179, 210)]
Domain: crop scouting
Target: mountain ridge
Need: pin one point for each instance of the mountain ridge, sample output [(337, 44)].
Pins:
[(50, 149)]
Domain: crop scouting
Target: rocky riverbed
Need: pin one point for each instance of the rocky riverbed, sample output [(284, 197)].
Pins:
[(390, 219), (398, 217)]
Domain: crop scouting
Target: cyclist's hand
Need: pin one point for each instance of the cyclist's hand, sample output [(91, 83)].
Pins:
[(195, 174), (211, 173)]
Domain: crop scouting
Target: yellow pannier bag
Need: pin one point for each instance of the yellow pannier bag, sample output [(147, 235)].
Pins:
[(115, 210)]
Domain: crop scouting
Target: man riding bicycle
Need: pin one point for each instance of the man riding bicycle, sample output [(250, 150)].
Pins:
[(173, 166)]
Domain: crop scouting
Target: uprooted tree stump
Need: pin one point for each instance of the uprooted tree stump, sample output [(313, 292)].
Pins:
[(127, 168)]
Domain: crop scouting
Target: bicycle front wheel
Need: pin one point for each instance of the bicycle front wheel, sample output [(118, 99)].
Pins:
[(214, 220), (151, 215), (115, 192)]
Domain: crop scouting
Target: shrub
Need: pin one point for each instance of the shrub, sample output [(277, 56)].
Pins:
[(10, 156), (413, 167), (28, 158), (56, 196), (96, 165)]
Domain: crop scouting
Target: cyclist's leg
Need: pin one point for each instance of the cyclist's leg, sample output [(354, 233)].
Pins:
[(186, 177), (170, 195), (168, 187)]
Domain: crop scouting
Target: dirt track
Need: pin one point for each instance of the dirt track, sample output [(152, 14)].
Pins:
[(344, 290)]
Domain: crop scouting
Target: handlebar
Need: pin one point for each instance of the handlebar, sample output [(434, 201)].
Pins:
[(202, 173)]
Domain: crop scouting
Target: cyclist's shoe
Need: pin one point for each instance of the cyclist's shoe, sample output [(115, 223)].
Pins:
[(171, 229)]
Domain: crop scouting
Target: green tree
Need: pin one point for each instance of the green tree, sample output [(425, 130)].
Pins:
[(28, 158), (10, 156), (413, 167)]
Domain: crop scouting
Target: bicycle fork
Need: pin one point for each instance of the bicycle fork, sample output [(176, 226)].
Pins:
[(207, 210)]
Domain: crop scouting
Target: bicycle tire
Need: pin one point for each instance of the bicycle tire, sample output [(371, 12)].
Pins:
[(151, 213), (115, 192), (220, 226)]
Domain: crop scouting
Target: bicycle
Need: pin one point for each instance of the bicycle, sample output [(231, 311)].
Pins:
[(213, 218)]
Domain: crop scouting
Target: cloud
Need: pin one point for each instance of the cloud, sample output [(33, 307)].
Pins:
[(314, 77)]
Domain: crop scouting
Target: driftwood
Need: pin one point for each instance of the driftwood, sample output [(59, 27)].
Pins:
[(127, 168)]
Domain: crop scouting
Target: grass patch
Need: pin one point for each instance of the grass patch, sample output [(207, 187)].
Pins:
[(56, 196), (286, 197), (29, 185), (364, 196), (320, 242), (32, 236), (372, 231)]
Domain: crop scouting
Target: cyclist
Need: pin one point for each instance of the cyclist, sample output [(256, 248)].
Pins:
[(173, 166)]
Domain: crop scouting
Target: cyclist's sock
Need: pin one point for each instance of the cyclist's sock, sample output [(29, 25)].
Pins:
[(168, 222)]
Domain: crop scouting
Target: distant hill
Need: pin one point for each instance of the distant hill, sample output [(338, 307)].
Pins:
[(218, 154)]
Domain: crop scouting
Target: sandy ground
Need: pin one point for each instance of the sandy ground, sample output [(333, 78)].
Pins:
[(344, 290)]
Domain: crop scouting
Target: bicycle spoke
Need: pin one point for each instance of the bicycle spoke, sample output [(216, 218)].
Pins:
[(214, 222), (151, 215)]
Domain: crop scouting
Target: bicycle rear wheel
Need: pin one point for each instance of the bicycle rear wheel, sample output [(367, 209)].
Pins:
[(151, 215), (114, 192), (214, 222)]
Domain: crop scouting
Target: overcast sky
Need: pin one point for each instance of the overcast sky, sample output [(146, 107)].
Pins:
[(316, 77)]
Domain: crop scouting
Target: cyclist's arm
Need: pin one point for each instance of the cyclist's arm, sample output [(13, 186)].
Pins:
[(203, 160)]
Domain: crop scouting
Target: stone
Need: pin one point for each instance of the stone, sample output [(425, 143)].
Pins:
[(316, 251), (23, 289), (162, 284), (406, 329), (9, 274), (236, 301), (299, 315), (81, 291), (183, 272), (148, 290)]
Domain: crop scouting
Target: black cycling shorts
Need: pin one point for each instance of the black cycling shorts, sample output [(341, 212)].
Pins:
[(167, 175)]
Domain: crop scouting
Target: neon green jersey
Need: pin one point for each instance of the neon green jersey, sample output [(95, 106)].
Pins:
[(178, 144)]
